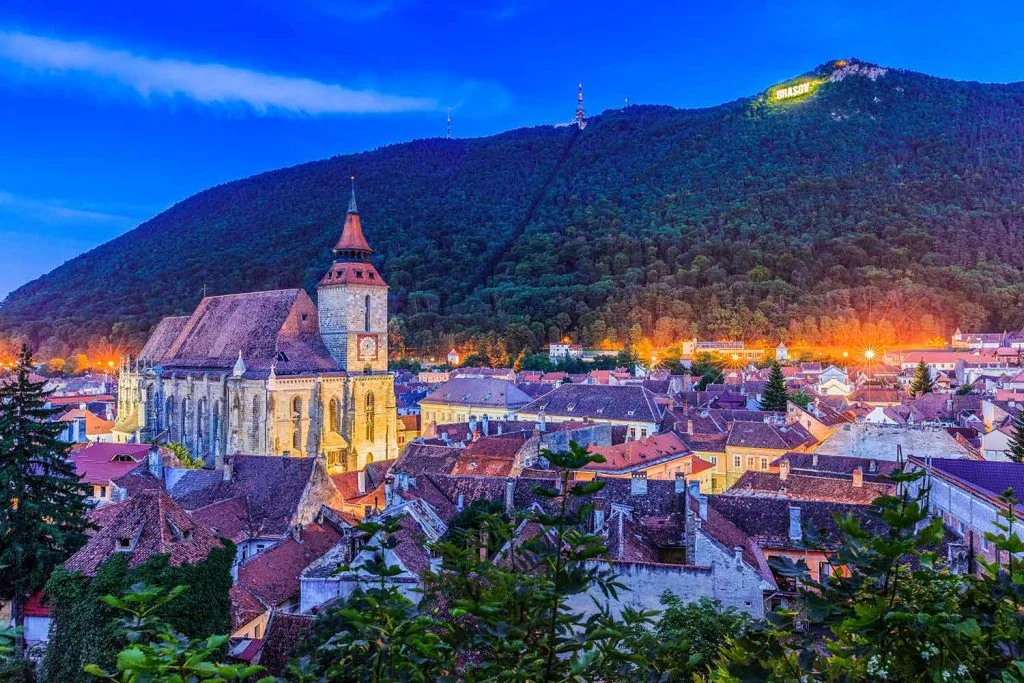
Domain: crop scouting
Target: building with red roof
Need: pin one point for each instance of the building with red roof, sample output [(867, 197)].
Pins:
[(99, 464)]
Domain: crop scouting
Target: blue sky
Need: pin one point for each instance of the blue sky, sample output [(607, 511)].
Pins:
[(113, 111)]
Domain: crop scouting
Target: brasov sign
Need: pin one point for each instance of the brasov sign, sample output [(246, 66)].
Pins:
[(793, 91)]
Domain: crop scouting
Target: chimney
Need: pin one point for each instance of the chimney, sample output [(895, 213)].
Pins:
[(155, 463), (510, 493), (367, 511), (702, 506), (542, 421), (600, 511), (447, 439), (814, 459), (872, 465), (796, 532), (389, 491), (638, 484), (472, 423), (858, 477), (689, 425), (228, 471), (460, 504), (737, 553), (500, 427), (402, 479), (680, 483), (484, 425), (784, 469), (297, 533), (361, 481)]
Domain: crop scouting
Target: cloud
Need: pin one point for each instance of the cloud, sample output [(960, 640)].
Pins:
[(208, 83), (53, 210)]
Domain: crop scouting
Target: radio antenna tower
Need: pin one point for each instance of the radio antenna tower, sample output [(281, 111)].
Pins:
[(449, 123), (581, 121)]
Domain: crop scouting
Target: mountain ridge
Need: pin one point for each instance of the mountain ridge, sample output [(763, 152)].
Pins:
[(653, 222)]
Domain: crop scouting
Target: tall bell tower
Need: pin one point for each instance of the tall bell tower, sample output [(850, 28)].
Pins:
[(352, 302)]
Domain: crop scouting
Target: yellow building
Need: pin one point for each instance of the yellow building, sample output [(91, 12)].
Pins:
[(755, 445)]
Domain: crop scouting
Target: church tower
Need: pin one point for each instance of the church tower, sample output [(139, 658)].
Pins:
[(352, 302)]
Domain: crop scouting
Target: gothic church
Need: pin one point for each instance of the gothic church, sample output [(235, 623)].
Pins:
[(272, 373)]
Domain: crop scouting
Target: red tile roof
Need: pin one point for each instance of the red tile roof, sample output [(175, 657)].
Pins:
[(100, 462), (149, 524), (94, 424), (273, 575), (640, 454)]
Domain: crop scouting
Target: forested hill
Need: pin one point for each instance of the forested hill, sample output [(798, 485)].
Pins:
[(883, 203)]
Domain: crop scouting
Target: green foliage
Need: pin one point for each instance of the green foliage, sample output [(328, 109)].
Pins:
[(184, 456), (896, 613), (85, 629), (157, 652), (685, 640), (775, 396), (377, 634), (922, 383), (708, 369), (800, 398), (43, 514), (1015, 450), (830, 218)]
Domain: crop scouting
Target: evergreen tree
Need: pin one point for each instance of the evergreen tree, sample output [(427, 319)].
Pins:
[(43, 515), (1015, 451), (775, 396), (922, 383)]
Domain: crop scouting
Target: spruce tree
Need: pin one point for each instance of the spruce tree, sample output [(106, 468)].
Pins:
[(43, 511), (775, 396), (1015, 451), (922, 383)]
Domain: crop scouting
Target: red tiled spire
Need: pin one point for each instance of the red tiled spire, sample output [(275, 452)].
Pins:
[(352, 246)]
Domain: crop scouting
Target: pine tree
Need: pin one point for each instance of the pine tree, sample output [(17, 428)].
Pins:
[(43, 512), (922, 383), (1015, 451), (775, 396)]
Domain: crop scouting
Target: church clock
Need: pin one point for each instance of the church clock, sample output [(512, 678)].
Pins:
[(367, 347)]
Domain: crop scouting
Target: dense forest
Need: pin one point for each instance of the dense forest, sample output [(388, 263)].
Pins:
[(886, 205)]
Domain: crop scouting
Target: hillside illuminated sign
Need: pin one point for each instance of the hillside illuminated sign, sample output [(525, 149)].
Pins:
[(793, 90)]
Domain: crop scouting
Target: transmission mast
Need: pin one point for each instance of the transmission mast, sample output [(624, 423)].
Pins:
[(581, 120), (449, 123)]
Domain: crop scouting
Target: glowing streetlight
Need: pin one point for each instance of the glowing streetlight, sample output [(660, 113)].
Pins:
[(735, 358), (846, 354), (869, 353)]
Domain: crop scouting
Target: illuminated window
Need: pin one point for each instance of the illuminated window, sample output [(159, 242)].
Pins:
[(369, 416), (334, 415), (737, 462), (366, 313), (297, 425), (764, 463)]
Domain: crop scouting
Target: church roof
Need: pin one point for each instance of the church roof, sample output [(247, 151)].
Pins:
[(352, 234), (277, 328), (352, 273), (162, 338)]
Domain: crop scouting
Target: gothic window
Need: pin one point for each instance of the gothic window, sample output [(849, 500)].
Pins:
[(254, 428), (216, 423), (369, 415), (366, 314), (202, 425), (297, 425), (183, 432), (169, 414), (334, 416)]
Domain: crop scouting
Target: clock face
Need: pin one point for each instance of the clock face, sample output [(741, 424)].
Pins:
[(367, 348)]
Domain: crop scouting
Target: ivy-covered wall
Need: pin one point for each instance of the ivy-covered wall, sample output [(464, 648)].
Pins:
[(84, 630)]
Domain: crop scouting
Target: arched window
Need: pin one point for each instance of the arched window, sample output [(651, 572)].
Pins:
[(369, 416), (216, 427), (297, 425), (169, 415), (366, 314), (202, 427), (183, 431), (254, 428), (334, 416)]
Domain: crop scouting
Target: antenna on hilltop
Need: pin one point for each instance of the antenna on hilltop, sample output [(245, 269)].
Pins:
[(581, 121), (449, 123)]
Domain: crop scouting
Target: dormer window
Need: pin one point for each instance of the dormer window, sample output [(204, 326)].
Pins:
[(122, 457), (372, 276), (124, 545), (359, 273)]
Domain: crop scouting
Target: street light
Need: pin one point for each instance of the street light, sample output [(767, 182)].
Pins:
[(869, 354)]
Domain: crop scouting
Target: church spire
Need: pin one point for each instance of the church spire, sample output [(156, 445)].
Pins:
[(352, 246)]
